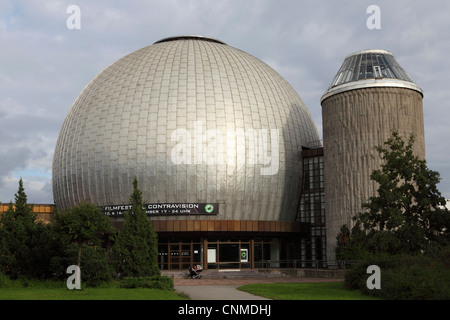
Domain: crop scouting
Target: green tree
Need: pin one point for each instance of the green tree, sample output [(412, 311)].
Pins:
[(20, 237), (83, 231), (349, 245), (408, 214), (135, 249)]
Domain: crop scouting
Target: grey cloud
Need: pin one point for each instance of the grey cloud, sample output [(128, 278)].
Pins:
[(13, 158), (44, 66)]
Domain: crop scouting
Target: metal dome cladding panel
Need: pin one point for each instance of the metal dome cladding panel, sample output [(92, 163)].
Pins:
[(196, 121)]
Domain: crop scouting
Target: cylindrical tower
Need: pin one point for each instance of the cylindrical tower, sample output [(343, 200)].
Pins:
[(370, 96)]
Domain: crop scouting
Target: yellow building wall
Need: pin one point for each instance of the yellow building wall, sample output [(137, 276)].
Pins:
[(44, 211)]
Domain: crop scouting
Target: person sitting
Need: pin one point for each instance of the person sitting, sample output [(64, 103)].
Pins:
[(193, 272)]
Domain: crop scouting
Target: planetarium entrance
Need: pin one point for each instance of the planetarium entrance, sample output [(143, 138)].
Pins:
[(228, 254), (226, 244), (214, 253), (179, 254)]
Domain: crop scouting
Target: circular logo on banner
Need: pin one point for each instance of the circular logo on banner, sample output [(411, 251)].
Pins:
[(209, 208)]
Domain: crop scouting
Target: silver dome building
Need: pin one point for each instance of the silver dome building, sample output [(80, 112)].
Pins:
[(214, 137)]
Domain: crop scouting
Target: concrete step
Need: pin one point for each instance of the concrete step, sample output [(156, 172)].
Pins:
[(226, 273), (259, 273)]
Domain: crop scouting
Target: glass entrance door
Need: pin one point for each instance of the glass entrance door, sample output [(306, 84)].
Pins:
[(229, 254), (180, 256)]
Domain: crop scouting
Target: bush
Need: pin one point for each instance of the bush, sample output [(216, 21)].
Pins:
[(95, 268), (154, 282), (5, 281), (405, 277)]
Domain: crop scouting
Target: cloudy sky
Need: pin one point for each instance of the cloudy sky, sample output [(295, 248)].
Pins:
[(44, 65)]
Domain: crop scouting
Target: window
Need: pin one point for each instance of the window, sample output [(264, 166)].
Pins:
[(377, 72)]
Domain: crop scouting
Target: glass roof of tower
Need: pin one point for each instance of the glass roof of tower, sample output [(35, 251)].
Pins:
[(370, 68), (370, 64)]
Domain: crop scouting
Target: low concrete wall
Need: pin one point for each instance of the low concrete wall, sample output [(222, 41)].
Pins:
[(262, 273), (313, 273)]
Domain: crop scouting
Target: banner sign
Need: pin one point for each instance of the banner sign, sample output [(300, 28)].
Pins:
[(165, 209)]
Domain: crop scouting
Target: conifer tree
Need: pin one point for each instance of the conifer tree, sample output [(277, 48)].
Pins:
[(135, 250), (18, 233), (22, 209)]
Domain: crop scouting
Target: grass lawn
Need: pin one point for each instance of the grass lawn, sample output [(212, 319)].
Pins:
[(56, 290), (87, 294), (53, 290), (109, 293), (305, 291)]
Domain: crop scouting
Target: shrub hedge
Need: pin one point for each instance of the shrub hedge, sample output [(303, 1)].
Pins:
[(405, 277), (154, 282)]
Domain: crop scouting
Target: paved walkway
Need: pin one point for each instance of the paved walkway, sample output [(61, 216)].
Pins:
[(226, 289), (216, 292)]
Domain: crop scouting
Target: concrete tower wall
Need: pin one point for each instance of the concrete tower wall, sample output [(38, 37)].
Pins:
[(354, 122)]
